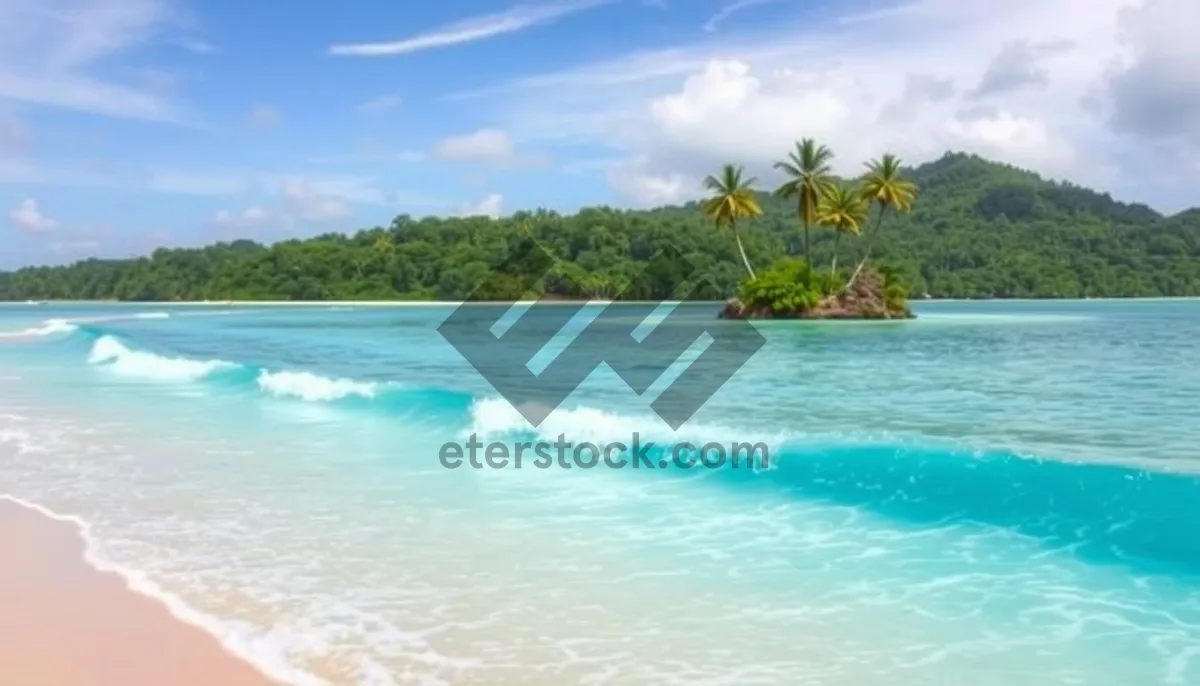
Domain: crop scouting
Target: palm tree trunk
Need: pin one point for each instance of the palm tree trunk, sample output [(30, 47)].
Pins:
[(808, 251), (870, 245), (837, 240), (738, 237)]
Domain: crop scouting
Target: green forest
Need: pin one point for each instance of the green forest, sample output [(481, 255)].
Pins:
[(978, 229)]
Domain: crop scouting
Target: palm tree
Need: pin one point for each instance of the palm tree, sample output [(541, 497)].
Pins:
[(809, 175), (733, 199), (883, 186), (383, 249), (845, 209)]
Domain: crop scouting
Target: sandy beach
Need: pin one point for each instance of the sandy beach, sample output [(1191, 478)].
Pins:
[(64, 623)]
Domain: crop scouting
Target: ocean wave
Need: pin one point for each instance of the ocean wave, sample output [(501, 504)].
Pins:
[(125, 359), (47, 328), (496, 417), (313, 387), (1119, 514), (51, 327), (111, 353), (1101, 512)]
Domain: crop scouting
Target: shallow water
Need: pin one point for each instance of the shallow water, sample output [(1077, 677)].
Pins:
[(995, 492)]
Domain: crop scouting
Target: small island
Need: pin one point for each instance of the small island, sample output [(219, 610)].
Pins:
[(781, 294), (797, 289)]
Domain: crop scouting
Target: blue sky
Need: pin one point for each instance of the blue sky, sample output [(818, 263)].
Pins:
[(130, 124)]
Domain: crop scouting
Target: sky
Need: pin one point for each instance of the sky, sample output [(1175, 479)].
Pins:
[(126, 125)]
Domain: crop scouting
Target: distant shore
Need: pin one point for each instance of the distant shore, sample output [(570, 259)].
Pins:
[(65, 622), (454, 303)]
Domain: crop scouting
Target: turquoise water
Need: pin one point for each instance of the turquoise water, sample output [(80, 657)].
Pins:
[(995, 493)]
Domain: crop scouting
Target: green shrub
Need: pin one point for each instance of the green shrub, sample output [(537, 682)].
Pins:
[(895, 293), (895, 296), (784, 288)]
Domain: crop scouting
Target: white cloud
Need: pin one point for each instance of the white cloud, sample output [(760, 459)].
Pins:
[(643, 188), (489, 144), (714, 22), (299, 200), (514, 19), (491, 205), (48, 48), (234, 181), (1018, 65), (1021, 87), (309, 203), (383, 103), (27, 216), (1154, 89), (247, 218), (329, 195), (1025, 141)]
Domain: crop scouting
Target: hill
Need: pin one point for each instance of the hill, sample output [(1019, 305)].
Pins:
[(979, 229)]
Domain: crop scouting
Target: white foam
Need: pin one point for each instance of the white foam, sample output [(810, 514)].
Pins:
[(313, 387), (152, 315), (114, 355), (236, 637), (47, 328), (497, 417)]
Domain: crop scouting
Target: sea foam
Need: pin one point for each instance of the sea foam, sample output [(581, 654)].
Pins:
[(47, 328), (236, 637), (313, 387), (111, 353), (496, 417)]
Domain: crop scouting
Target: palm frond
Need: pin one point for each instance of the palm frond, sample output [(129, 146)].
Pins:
[(883, 185), (733, 197)]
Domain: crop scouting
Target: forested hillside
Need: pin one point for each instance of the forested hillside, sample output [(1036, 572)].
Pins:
[(979, 229)]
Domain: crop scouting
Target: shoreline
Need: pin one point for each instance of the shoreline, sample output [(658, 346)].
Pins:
[(61, 598), (484, 303)]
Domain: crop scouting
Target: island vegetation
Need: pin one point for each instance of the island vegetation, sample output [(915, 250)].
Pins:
[(797, 289), (979, 230)]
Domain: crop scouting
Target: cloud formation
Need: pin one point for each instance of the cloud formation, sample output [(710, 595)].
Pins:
[(514, 19), (714, 22), (1064, 87), (309, 203), (1154, 92), (247, 218), (1017, 65), (298, 201), (49, 50), (27, 216), (486, 144), (490, 205)]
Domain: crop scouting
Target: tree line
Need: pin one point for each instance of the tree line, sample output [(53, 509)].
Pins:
[(980, 229)]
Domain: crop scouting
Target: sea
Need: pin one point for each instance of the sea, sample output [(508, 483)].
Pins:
[(994, 493)]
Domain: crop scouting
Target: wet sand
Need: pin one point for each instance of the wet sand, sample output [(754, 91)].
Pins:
[(63, 623)]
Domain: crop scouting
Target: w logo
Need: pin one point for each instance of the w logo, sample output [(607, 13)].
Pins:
[(617, 336)]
